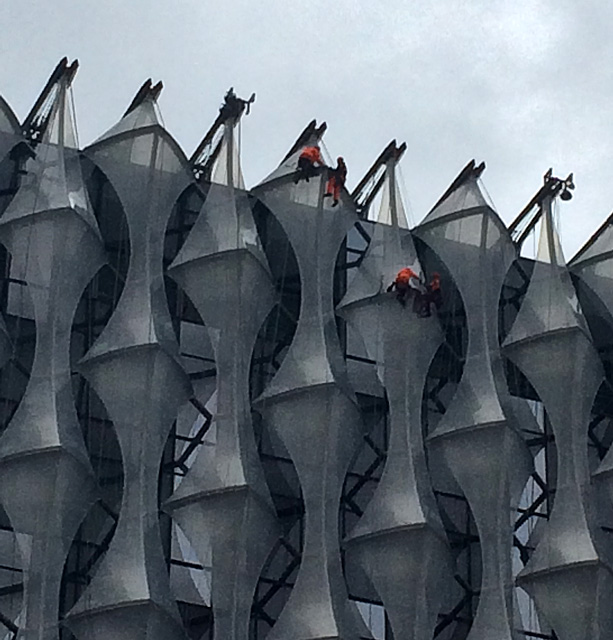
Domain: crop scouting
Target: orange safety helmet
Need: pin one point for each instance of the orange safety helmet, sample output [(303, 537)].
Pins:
[(312, 152), (404, 276)]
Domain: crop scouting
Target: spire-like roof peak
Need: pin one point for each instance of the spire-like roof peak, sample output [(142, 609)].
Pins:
[(463, 194), (550, 303), (142, 112)]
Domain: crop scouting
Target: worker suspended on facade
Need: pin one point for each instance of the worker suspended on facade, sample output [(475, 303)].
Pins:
[(336, 181), (407, 285), (433, 296), (309, 157)]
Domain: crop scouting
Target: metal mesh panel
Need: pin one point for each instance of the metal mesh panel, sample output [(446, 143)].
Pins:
[(570, 572), (223, 269), (134, 369), (309, 400), (478, 438), (57, 249), (399, 540)]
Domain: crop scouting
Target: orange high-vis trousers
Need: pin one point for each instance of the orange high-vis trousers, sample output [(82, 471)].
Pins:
[(333, 188)]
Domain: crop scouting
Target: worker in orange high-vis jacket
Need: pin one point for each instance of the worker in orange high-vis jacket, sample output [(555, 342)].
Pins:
[(433, 296), (406, 284), (336, 181), (309, 157)]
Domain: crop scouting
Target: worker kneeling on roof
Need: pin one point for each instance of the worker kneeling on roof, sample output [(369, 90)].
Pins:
[(309, 157), (407, 284)]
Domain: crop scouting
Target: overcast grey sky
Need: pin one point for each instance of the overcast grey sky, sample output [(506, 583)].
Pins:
[(523, 84)]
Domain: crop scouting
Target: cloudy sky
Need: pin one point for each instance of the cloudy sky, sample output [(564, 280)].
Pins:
[(522, 84)]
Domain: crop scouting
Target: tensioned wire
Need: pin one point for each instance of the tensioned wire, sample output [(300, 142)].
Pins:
[(408, 207), (326, 153), (488, 198), (158, 113), (73, 116)]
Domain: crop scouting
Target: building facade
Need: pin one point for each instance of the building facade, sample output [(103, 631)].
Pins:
[(218, 421)]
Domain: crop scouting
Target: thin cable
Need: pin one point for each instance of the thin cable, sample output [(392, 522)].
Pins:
[(73, 118), (158, 113), (404, 192), (326, 153), (557, 223), (374, 210), (488, 197), (239, 168)]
